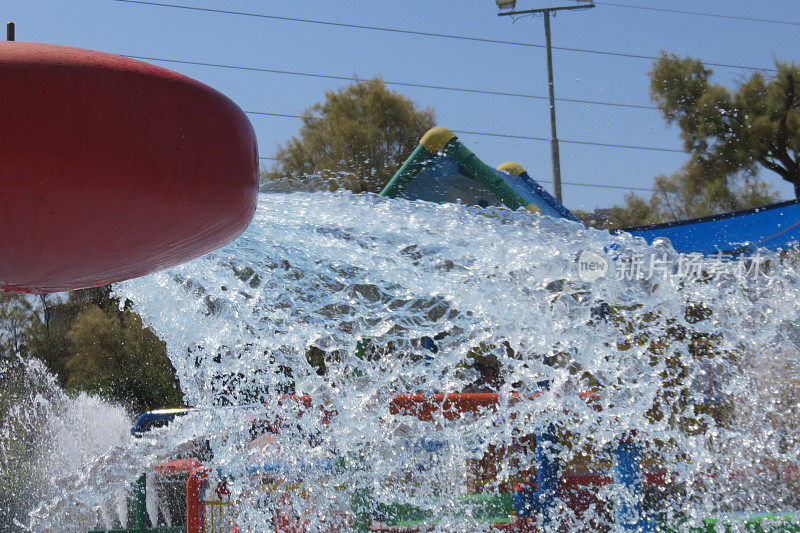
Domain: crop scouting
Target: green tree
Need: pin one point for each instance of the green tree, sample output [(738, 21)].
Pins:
[(688, 194), (356, 139), (729, 135), (50, 322), (756, 126), (636, 211), (16, 313), (118, 358)]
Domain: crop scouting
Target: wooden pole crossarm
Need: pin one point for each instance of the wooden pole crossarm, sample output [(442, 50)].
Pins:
[(544, 9)]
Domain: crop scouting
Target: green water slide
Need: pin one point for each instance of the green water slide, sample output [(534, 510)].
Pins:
[(441, 169)]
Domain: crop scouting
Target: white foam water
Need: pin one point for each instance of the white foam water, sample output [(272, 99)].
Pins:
[(700, 372), (47, 434)]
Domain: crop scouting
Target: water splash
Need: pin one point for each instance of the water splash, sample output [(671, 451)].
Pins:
[(46, 434), (696, 372)]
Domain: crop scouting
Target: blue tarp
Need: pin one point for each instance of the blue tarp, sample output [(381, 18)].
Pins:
[(773, 227)]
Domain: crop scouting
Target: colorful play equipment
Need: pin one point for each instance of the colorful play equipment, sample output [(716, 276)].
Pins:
[(114, 168), (207, 506), (193, 497), (441, 169)]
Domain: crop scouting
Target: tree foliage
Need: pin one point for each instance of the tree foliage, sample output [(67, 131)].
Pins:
[(50, 322), (15, 321), (119, 359), (730, 136), (687, 195), (356, 139), (755, 126), (84, 342), (90, 343)]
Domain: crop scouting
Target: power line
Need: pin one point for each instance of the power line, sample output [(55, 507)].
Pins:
[(397, 83), (272, 114), (407, 84), (329, 23), (510, 136), (590, 143), (422, 33), (700, 13), (595, 185)]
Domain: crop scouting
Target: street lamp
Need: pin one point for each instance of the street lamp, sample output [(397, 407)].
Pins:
[(506, 4), (502, 5)]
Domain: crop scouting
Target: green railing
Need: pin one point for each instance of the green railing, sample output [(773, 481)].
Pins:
[(761, 523), (481, 508), (140, 515)]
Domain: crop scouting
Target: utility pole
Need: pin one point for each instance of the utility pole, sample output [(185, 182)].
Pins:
[(554, 153)]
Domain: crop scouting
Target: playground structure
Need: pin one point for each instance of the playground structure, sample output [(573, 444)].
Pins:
[(199, 501), (517, 508), (441, 169)]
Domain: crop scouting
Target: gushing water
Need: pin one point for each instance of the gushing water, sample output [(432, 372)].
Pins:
[(350, 301), (46, 434)]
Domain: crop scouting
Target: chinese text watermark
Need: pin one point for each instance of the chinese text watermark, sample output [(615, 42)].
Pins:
[(593, 266)]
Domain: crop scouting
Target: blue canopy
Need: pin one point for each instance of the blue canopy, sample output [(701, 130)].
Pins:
[(773, 227)]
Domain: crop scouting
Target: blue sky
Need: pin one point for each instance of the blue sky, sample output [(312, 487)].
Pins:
[(228, 39)]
